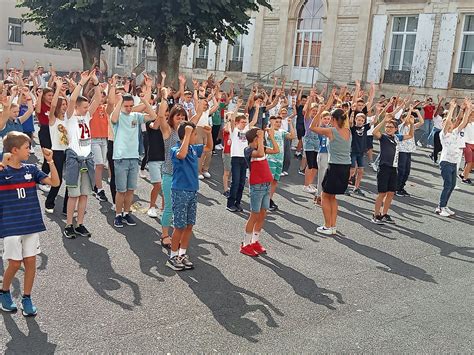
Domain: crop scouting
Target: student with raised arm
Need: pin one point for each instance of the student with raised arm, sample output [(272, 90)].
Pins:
[(80, 173), (43, 106), (11, 120), (387, 174), (126, 127), (226, 151)]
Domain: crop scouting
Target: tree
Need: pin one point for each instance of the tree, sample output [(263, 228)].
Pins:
[(174, 23), (88, 24)]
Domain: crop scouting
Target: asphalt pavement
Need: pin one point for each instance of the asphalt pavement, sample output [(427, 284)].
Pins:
[(397, 288)]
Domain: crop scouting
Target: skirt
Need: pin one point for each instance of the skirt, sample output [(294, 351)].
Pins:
[(336, 179)]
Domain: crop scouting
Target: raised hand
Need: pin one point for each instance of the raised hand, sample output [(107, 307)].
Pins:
[(85, 75), (7, 158), (181, 78), (188, 130), (207, 129), (47, 154), (163, 75)]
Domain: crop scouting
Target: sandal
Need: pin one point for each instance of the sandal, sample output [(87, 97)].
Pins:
[(165, 245)]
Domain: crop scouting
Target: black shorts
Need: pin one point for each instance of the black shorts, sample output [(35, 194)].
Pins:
[(336, 179), (300, 132), (387, 179), (370, 142), (311, 159)]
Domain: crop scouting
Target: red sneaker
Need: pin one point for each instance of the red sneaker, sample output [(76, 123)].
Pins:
[(248, 250), (258, 248)]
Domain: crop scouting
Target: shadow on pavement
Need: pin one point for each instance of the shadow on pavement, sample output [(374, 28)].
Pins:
[(302, 285), (36, 342), (226, 301)]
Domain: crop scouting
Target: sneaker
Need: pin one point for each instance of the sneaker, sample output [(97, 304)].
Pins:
[(387, 219), (28, 309), (101, 196), (438, 210), (82, 231), (443, 212), (431, 156), (377, 219), (347, 192), (359, 192), (219, 147), (334, 230), (214, 152), (49, 210), (457, 187), (69, 232), (405, 193), (309, 189), (239, 207), (175, 263), (273, 206), (112, 208), (152, 212), (285, 173), (142, 174), (226, 193), (301, 172), (282, 174), (324, 230), (186, 262), (466, 181), (461, 176), (206, 174), (451, 212), (200, 177), (44, 188), (6, 302), (429, 146), (399, 194), (375, 168), (128, 219), (248, 250), (258, 248), (232, 209), (419, 144)]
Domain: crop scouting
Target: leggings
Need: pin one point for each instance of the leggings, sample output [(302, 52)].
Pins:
[(145, 157), (437, 148), (168, 210), (110, 153), (59, 157), (45, 142)]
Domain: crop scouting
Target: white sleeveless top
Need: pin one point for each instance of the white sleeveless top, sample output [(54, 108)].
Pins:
[(56, 135)]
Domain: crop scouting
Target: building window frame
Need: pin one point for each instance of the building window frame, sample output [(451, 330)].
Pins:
[(461, 42), (404, 33), (15, 24), (119, 57)]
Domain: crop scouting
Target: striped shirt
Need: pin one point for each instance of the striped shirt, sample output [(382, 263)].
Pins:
[(20, 212)]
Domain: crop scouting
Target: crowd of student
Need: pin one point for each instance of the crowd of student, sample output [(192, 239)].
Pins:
[(91, 126)]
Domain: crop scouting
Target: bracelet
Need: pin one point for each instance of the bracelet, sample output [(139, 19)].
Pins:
[(50, 162)]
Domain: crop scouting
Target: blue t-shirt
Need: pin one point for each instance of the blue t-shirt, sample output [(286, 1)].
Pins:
[(11, 126), (28, 125), (126, 132), (323, 144), (185, 171), (20, 211)]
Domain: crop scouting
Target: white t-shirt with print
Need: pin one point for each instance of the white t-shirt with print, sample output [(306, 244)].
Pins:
[(239, 142), (452, 144), (79, 134)]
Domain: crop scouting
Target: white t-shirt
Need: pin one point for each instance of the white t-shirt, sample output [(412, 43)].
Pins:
[(284, 124), (370, 120), (56, 133), (204, 120), (79, 134), (451, 143), (239, 142), (438, 122), (469, 133)]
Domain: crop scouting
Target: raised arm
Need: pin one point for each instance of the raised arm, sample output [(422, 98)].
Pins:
[(467, 114), (376, 132), (114, 117), (75, 94), (160, 118), (184, 148), (151, 114), (111, 94), (271, 135), (255, 116), (97, 94), (54, 102), (275, 101)]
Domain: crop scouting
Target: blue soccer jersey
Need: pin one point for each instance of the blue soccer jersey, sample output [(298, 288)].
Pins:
[(20, 212)]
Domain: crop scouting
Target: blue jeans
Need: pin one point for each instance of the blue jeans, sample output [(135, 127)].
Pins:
[(259, 197), (238, 171), (404, 167), (448, 173), (168, 210), (426, 131)]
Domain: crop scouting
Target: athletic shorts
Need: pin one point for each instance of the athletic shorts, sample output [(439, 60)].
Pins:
[(154, 168), (184, 204), (386, 179), (357, 159), (469, 153), (300, 132), (21, 246), (311, 159), (99, 149), (226, 161), (126, 174), (336, 179), (259, 197), (83, 186)]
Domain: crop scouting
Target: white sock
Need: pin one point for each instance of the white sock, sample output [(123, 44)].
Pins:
[(173, 254), (99, 190), (124, 214), (118, 215), (247, 238), (181, 251), (255, 237)]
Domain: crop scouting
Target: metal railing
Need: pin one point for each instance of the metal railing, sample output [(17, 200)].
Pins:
[(266, 78)]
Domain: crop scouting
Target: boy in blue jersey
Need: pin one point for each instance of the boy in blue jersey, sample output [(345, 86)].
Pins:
[(184, 186), (20, 216)]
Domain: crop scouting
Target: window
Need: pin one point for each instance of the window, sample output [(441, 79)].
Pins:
[(466, 61), (238, 49), (203, 52), (403, 43), (14, 30), (141, 50), (120, 57)]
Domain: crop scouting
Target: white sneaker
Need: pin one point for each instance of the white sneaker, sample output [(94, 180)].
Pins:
[(309, 189), (44, 188), (143, 174), (286, 173), (324, 230), (219, 147), (419, 144), (206, 174), (282, 174), (444, 213), (457, 187), (333, 230), (451, 212), (49, 210), (112, 207), (201, 177), (152, 212), (438, 210)]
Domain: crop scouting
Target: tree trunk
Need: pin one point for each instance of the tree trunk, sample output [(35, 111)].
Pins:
[(168, 54), (89, 50)]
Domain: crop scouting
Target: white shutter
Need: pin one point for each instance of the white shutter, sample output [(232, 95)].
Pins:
[(190, 56), (247, 43), (377, 47), (421, 55), (211, 56), (444, 56), (223, 55)]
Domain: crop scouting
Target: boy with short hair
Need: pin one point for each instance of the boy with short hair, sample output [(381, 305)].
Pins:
[(260, 180), (20, 216), (184, 186)]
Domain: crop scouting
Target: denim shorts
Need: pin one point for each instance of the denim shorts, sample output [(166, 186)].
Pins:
[(154, 167), (357, 159), (184, 208), (259, 197), (126, 174)]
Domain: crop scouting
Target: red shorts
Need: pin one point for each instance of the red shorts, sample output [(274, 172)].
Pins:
[(469, 153)]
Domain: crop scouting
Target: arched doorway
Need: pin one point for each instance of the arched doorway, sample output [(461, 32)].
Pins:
[(307, 48)]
